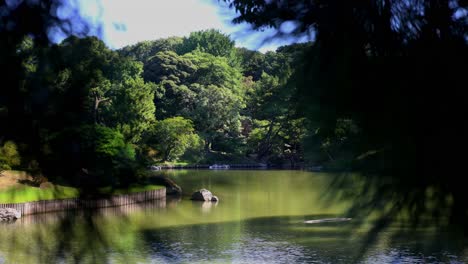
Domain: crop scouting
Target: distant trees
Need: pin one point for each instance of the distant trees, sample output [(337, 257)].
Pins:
[(372, 62), (198, 86), (210, 41), (194, 98), (144, 50), (228, 93)]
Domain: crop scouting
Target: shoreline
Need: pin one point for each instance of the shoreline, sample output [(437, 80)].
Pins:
[(245, 166), (45, 206)]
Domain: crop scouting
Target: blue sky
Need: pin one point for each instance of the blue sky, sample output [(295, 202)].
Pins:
[(126, 22)]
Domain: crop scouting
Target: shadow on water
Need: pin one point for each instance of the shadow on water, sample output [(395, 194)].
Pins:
[(383, 203), (80, 236), (244, 227)]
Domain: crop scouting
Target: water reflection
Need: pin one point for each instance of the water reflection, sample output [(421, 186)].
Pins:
[(206, 206), (386, 203), (152, 207), (260, 219)]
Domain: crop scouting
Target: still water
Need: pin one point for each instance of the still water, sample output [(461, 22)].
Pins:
[(259, 219)]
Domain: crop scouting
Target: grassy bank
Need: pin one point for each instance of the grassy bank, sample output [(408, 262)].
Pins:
[(23, 194)]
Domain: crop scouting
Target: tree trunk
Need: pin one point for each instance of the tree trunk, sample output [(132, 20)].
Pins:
[(329, 155), (207, 145), (96, 106), (97, 101)]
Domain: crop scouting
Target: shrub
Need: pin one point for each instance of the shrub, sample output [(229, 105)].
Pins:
[(9, 156)]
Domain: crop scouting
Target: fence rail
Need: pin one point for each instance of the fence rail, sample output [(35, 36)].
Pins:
[(78, 203)]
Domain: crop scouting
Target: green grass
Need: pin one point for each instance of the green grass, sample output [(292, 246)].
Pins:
[(25, 193), (131, 189), (174, 163)]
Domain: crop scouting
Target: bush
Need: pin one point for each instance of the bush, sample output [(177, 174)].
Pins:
[(101, 151), (172, 137), (9, 156)]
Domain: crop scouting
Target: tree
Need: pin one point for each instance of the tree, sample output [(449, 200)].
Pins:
[(372, 62), (144, 50), (252, 62), (210, 41), (277, 130), (216, 112), (184, 83), (83, 83), (109, 87), (9, 156), (212, 70), (21, 20), (100, 151), (132, 109), (168, 66), (172, 137)]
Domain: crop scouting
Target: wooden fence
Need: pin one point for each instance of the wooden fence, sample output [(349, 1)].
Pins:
[(77, 203)]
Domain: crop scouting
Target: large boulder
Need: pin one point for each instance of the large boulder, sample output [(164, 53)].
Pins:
[(9, 214), (202, 195)]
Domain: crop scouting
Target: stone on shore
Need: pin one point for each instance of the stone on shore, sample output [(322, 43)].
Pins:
[(171, 187), (9, 214)]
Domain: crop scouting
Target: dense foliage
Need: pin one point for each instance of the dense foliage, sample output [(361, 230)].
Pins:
[(383, 89), (93, 115), (238, 100)]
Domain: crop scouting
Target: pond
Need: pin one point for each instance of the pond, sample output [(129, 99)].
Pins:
[(259, 219)]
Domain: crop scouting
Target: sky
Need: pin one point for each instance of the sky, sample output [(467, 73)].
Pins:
[(126, 22)]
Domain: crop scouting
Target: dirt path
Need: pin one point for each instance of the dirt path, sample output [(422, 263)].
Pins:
[(10, 178)]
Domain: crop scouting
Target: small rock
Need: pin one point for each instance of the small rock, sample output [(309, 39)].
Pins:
[(214, 199), (202, 195), (9, 214)]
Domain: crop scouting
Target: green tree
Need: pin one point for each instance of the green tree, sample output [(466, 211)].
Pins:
[(9, 156), (252, 62), (144, 50), (184, 81), (168, 66), (172, 137), (101, 151), (212, 70), (132, 108), (216, 112), (110, 87), (210, 41)]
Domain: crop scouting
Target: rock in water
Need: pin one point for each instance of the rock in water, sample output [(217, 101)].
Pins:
[(202, 195), (9, 214), (214, 199)]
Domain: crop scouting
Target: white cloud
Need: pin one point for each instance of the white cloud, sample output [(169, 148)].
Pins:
[(126, 22)]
